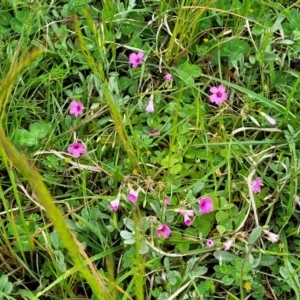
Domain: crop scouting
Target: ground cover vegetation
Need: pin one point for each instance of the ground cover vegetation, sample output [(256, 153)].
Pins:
[(149, 149)]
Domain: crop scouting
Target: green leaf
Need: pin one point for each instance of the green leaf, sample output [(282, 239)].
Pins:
[(224, 256), (39, 129), (235, 46), (224, 204), (3, 282), (267, 260), (60, 259), (133, 87), (129, 224), (176, 169), (124, 82), (197, 187), (221, 229), (227, 280), (55, 240), (144, 248), (25, 138), (221, 215), (168, 162), (200, 271), (269, 56), (294, 18), (126, 235), (5, 17), (187, 72), (255, 235), (16, 25), (4, 31)]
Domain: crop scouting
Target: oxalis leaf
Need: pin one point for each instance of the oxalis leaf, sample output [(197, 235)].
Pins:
[(255, 235)]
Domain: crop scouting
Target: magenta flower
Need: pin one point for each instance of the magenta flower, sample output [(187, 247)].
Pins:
[(114, 205), (150, 106), (167, 201), (187, 220), (205, 205), (76, 108), (76, 149), (218, 94), (163, 231), (210, 243), (228, 244), (133, 195), (186, 216), (256, 185), (168, 77), (136, 59)]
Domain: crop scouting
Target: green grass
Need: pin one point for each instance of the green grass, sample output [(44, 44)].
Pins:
[(59, 237)]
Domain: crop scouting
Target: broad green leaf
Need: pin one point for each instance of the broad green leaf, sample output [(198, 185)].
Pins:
[(176, 169), (16, 25), (126, 235), (224, 204), (294, 18), (267, 260), (39, 129), (168, 162), (221, 215), (221, 229), (227, 280), (235, 46), (124, 82), (255, 235), (144, 248), (21, 16), (55, 240), (5, 17), (224, 256), (200, 271), (198, 187), (188, 72), (25, 138)]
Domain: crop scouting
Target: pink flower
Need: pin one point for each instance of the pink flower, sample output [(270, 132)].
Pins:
[(153, 132), (218, 95), (205, 205), (268, 118), (273, 237), (186, 216), (163, 231), (76, 108), (168, 77), (150, 106), (228, 244), (114, 205), (187, 220), (256, 185), (210, 243), (136, 59), (133, 195), (167, 201), (76, 149)]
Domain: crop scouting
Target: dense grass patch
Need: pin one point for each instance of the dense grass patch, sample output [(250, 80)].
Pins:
[(149, 149)]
